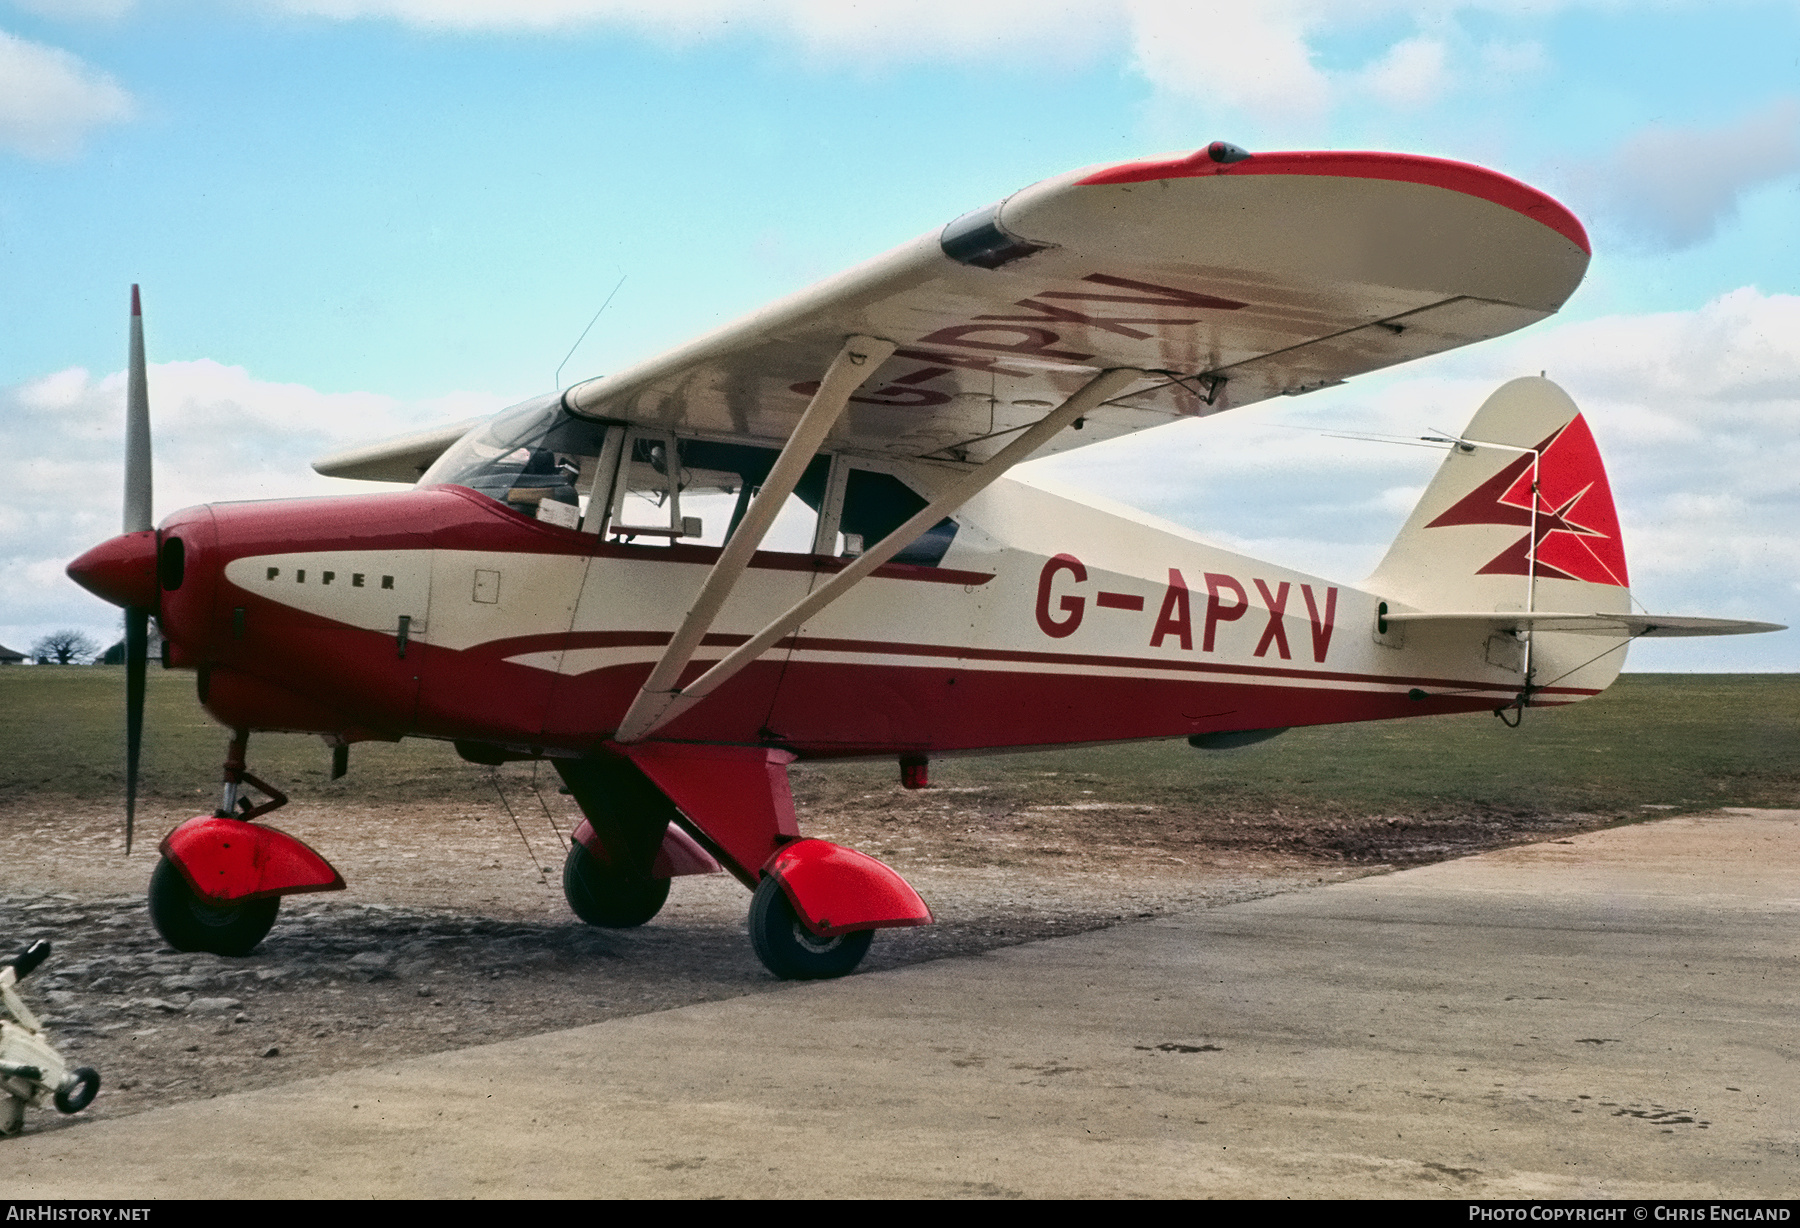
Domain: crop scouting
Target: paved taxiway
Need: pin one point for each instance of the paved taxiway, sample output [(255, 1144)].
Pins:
[(1608, 1015)]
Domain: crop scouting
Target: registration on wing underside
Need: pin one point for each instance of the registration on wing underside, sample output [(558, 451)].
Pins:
[(959, 391), (1224, 292)]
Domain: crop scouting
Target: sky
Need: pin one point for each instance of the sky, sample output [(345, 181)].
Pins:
[(353, 218)]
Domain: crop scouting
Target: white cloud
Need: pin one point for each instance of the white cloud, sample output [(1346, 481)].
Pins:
[(1259, 57), (1695, 413), (1401, 499), (55, 391), (1671, 188), (219, 434), (1250, 56), (1413, 72), (50, 100), (1264, 58)]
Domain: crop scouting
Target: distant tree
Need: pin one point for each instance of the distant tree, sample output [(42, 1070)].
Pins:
[(64, 647)]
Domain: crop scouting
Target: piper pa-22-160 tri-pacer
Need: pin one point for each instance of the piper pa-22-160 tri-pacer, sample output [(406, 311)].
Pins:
[(547, 590)]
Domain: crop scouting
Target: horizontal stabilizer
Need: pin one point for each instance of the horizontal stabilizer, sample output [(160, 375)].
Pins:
[(1633, 625)]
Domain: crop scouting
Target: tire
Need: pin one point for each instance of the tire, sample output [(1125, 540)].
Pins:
[(604, 896), (790, 950), (189, 923), (77, 1090)]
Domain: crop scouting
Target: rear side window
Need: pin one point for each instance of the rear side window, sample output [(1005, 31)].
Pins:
[(875, 504)]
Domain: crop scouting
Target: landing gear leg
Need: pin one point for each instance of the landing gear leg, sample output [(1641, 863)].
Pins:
[(189, 922), (233, 805), (816, 903)]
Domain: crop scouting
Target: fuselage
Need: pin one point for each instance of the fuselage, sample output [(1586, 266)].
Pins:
[(440, 612)]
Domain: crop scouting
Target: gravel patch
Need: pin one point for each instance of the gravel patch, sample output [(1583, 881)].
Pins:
[(454, 933)]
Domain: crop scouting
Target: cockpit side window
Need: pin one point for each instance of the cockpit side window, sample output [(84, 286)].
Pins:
[(726, 477)]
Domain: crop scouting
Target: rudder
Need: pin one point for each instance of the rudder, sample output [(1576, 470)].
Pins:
[(1468, 544)]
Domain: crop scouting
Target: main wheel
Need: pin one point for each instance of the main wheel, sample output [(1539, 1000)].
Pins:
[(189, 923), (790, 950), (602, 895)]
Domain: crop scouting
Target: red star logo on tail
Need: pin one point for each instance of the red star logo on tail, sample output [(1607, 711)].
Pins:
[(1577, 533)]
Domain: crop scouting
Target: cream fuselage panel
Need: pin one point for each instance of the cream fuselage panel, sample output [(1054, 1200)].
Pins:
[(367, 589)]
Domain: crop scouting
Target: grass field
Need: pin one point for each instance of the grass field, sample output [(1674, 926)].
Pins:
[(1676, 741)]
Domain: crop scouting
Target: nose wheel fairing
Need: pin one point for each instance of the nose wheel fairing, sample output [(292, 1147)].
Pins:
[(230, 860), (220, 881)]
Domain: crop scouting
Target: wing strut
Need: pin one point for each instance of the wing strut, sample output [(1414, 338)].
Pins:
[(643, 720), (852, 367)]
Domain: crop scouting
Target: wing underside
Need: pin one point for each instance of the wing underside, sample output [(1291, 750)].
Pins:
[(1226, 282)]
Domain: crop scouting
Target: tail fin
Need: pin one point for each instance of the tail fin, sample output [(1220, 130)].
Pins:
[(1475, 542)]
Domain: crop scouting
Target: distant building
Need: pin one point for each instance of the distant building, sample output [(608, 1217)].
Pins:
[(116, 654), (9, 657)]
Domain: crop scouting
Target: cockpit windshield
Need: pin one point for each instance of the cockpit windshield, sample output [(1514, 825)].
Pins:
[(526, 455)]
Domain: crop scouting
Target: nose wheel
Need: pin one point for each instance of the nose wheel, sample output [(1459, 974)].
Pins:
[(189, 922), (790, 950)]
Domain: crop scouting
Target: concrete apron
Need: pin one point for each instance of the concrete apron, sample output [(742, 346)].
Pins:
[(1608, 1015)]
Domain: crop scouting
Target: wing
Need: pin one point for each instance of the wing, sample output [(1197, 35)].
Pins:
[(400, 459), (1230, 277), (1233, 277)]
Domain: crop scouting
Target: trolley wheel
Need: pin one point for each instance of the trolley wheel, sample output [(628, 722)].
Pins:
[(77, 1089)]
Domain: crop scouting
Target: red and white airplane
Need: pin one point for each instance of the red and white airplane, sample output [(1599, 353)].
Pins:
[(582, 578)]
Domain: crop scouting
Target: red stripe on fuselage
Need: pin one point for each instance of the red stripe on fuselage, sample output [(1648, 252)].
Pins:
[(655, 639)]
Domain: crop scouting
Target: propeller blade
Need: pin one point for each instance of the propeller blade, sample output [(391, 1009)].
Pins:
[(137, 520), (137, 429), (137, 653)]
